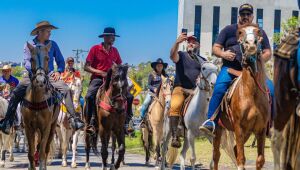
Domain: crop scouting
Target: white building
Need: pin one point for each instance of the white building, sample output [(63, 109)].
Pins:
[(207, 17)]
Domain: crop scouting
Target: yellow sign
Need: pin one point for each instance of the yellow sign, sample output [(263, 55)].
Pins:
[(136, 89)]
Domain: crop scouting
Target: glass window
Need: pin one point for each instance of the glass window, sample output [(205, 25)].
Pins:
[(197, 26), (296, 14), (216, 23), (277, 21), (234, 15), (260, 17)]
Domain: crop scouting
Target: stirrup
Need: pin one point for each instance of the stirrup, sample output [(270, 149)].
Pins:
[(213, 123)]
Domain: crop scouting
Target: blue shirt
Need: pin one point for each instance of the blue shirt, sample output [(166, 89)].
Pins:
[(12, 81), (227, 38), (54, 54)]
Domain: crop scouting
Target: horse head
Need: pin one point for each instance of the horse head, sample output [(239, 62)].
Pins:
[(208, 76), (166, 89), (249, 38), (76, 89), (39, 64)]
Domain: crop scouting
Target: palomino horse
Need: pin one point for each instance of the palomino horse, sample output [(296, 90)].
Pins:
[(37, 118), (194, 114), (197, 109), (155, 120), (286, 138), (249, 108), (65, 131)]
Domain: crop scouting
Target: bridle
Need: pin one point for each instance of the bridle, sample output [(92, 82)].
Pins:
[(207, 87)]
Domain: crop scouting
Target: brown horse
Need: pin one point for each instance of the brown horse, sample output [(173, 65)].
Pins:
[(286, 136), (37, 119), (249, 109)]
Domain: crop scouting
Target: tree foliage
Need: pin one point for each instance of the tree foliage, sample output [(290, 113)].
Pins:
[(286, 27)]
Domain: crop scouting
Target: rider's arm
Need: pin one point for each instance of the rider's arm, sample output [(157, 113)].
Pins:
[(150, 78), (59, 59), (27, 57), (174, 51), (118, 60), (218, 50), (90, 69), (266, 53)]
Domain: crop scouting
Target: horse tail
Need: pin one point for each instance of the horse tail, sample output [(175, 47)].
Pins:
[(228, 143), (146, 138), (171, 156), (93, 139)]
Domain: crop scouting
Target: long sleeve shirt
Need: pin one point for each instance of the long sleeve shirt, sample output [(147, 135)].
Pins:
[(54, 54)]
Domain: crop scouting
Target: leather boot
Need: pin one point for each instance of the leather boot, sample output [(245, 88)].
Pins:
[(174, 120)]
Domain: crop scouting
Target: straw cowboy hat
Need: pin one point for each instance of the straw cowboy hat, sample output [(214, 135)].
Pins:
[(159, 61), (108, 31), (6, 67), (42, 25)]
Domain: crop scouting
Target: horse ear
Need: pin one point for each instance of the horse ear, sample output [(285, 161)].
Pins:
[(48, 46), (30, 47), (163, 78)]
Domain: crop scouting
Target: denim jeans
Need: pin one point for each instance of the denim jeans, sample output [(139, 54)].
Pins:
[(146, 104)]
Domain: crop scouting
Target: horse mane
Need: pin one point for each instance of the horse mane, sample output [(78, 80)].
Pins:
[(108, 79), (158, 89)]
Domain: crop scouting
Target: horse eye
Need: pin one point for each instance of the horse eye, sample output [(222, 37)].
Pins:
[(204, 68)]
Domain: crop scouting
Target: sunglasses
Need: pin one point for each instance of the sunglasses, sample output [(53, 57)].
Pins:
[(244, 14)]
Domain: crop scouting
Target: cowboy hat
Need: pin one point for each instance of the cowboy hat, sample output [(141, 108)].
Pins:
[(6, 67), (108, 31), (159, 61), (42, 25), (191, 36)]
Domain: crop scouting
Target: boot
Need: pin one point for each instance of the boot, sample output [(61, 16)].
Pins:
[(76, 122), (91, 127), (174, 120)]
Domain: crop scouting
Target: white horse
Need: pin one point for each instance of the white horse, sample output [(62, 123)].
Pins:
[(6, 141), (64, 131), (196, 112)]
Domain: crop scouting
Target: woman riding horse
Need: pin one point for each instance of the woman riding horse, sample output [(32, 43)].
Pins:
[(154, 81)]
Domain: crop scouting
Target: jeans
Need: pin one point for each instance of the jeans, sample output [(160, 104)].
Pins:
[(90, 97), (222, 84), (146, 104)]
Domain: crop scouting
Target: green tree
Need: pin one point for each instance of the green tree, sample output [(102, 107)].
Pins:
[(290, 25)]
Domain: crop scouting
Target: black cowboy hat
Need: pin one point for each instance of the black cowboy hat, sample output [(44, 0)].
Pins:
[(159, 61), (109, 31)]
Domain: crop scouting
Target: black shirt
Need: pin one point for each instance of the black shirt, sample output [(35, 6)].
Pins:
[(227, 38)]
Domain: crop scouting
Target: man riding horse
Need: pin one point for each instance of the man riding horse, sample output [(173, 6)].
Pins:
[(154, 81), (99, 60), (7, 79), (228, 48), (42, 33), (188, 67)]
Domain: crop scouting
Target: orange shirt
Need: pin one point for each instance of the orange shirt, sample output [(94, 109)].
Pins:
[(68, 77)]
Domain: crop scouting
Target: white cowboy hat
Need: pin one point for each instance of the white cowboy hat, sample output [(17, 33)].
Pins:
[(6, 67)]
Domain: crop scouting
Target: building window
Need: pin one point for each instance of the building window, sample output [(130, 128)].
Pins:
[(216, 23), (234, 15), (277, 21), (197, 27), (296, 14), (260, 17)]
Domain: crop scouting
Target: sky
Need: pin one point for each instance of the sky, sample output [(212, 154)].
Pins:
[(148, 28)]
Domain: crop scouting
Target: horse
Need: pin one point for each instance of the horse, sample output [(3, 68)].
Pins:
[(204, 83), (197, 109), (155, 116), (285, 138), (39, 107), (248, 110), (64, 129)]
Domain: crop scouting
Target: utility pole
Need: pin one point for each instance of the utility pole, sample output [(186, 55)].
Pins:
[(77, 53)]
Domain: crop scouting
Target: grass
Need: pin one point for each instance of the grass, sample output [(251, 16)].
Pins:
[(204, 152)]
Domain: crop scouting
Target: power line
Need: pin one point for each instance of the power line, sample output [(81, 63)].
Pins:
[(77, 53)]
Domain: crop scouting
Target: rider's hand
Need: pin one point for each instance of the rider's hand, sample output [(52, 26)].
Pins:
[(181, 38), (55, 76), (102, 73), (228, 55)]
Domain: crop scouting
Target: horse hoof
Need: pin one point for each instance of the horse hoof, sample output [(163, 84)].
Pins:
[(64, 164), (74, 165), (2, 165), (11, 159), (123, 163), (147, 163), (112, 167)]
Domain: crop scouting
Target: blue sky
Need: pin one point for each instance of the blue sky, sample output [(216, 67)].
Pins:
[(147, 27)]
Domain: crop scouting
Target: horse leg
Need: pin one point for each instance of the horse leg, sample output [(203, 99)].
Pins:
[(185, 148), (87, 151), (216, 149), (65, 142), (145, 138), (276, 142), (49, 141), (74, 148), (261, 137), (191, 139), (166, 139), (42, 147), (11, 145), (240, 146), (30, 135), (253, 142), (60, 139), (105, 136), (121, 142), (113, 149)]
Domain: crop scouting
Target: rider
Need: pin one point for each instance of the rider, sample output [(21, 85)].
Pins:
[(154, 81), (70, 72), (99, 60), (188, 67), (42, 33), (7, 78), (227, 48)]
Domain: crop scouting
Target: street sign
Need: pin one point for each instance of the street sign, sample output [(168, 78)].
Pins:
[(136, 89)]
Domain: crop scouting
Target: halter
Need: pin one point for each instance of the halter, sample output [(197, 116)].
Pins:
[(207, 86)]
